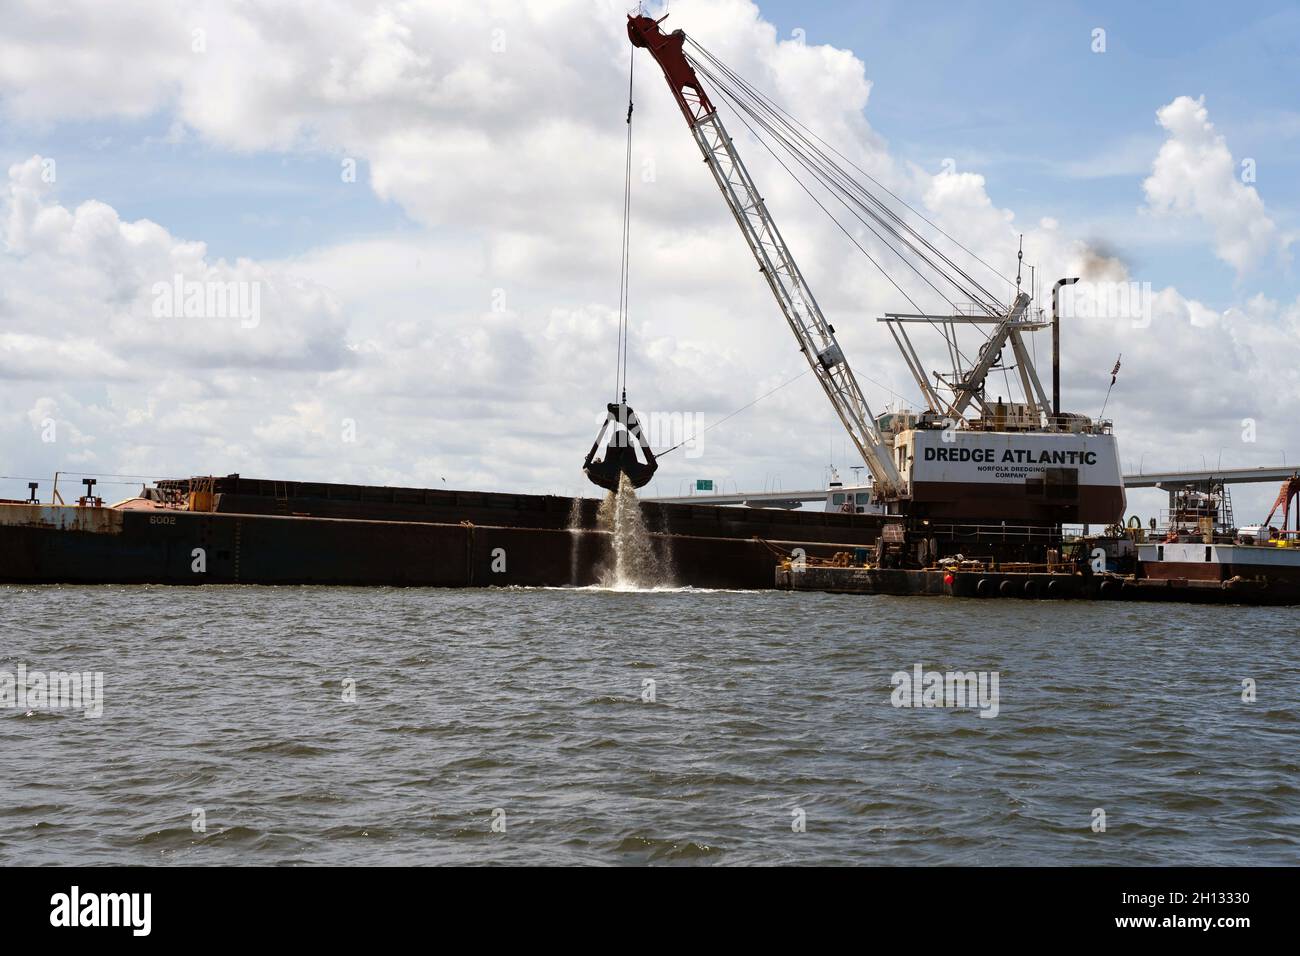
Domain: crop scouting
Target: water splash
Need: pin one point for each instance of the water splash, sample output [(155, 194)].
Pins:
[(575, 536), (637, 562)]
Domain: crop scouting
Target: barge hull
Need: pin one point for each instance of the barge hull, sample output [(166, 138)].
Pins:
[(84, 545), (251, 496)]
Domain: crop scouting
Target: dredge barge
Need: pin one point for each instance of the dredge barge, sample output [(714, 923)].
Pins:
[(233, 530), (964, 460)]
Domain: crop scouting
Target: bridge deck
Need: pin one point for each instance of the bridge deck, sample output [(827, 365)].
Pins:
[(1159, 479)]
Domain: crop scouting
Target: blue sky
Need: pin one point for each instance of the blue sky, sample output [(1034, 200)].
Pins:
[(1014, 91), (261, 204)]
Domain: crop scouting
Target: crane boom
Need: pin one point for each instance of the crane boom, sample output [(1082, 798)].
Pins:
[(815, 335)]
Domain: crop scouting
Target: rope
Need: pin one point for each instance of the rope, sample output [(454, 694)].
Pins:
[(1113, 376), (87, 474), (620, 363), (779, 552), (735, 413)]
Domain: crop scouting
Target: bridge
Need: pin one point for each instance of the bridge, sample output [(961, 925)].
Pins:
[(1158, 479), (1228, 476)]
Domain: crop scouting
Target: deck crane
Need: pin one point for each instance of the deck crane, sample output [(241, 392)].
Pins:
[(816, 336), (965, 471)]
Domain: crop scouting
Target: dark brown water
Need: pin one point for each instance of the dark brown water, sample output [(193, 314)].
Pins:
[(530, 702)]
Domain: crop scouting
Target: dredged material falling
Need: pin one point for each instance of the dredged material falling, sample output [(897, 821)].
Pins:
[(575, 536), (637, 564)]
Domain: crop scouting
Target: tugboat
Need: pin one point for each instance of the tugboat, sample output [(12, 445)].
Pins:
[(858, 497), (1258, 563)]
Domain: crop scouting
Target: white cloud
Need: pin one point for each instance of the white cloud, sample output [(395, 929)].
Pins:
[(1194, 174), (81, 59), (81, 282)]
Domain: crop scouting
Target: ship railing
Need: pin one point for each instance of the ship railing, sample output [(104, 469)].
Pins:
[(968, 309), (197, 493), (1005, 532), (1161, 533)]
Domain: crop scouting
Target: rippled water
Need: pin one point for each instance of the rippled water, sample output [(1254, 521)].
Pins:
[(230, 699)]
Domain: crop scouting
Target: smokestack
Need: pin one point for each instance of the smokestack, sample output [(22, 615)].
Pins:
[(1056, 351)]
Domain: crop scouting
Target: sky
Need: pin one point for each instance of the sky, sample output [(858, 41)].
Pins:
[(426, 198)]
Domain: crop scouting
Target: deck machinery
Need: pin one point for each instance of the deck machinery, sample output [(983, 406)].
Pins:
[(966, 472)]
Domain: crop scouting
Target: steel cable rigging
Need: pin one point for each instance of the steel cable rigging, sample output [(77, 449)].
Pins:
[(620, 363), (619, 460), (931, 265), (798, 141)]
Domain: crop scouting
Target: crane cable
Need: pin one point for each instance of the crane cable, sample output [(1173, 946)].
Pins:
[(687, 441), (620, 363), (843, 188), (816, 156), (790, 381), (741, 112), (813, 152)]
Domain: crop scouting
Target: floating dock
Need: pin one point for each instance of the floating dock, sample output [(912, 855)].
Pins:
[(1027, 585)]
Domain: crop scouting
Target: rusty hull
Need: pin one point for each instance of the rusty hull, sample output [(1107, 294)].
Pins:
[(40, 544), (237, 495)]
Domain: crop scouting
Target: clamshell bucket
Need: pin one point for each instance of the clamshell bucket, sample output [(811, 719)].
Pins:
[(620, 455)]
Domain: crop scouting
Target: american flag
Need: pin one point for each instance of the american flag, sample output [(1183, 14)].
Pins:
[(1114, 373)]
